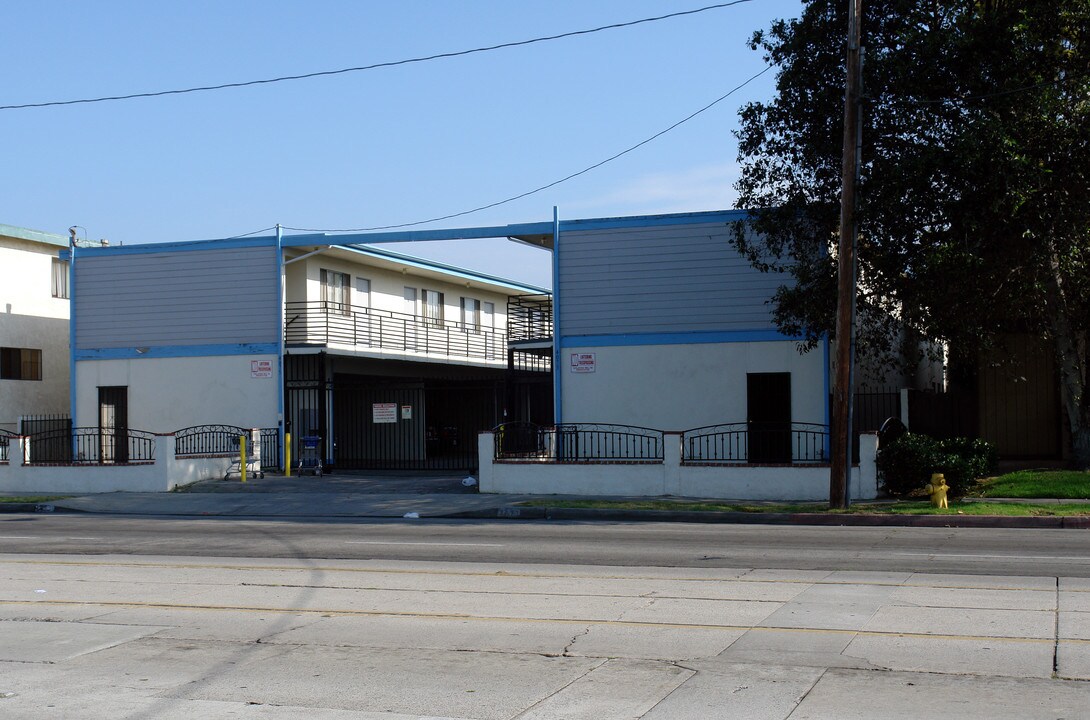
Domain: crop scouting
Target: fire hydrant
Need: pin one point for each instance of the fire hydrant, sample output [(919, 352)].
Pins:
[(937, 490)]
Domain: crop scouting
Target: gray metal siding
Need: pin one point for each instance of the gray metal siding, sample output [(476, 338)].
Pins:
[(177, 298), (682, 278)]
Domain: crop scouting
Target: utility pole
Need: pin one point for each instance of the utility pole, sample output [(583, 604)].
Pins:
[(841, 445)]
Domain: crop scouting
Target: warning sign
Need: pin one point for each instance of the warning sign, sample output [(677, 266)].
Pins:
[(384, 412), (261, 369), (582, 362)]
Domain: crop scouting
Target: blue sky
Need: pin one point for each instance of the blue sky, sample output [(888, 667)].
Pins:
[(371, 148)]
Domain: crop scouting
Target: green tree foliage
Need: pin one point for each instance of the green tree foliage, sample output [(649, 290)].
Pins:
[(974, 198)]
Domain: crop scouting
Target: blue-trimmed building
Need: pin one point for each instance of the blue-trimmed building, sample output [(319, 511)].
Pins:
[(390, 360)]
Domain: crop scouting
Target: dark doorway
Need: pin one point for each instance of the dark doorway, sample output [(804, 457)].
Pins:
[(768, 399), (113, 424)]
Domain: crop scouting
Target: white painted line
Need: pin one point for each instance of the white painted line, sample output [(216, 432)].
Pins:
[(19, 537), (1055, 558), (428, 544), (82, 538)]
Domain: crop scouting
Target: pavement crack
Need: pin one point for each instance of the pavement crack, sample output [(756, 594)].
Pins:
[(568, 647), (802, 698), (559, 690), (1056, 631)]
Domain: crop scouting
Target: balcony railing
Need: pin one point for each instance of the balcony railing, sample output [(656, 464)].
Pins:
[(323, 323), (530, 318)]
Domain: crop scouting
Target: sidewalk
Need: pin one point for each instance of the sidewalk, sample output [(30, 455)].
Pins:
[(349, 496)]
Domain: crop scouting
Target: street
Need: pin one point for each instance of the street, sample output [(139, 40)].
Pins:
[(206, 618)]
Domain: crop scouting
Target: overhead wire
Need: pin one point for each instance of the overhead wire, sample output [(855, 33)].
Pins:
[(543, 187), (375, 66)]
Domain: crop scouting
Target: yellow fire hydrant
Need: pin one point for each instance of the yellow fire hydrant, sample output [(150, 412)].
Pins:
[(937, 490)]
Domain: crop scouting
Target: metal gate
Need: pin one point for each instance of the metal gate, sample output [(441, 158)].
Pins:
[(403, 424)]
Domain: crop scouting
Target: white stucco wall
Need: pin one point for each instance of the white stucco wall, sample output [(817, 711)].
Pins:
[(679, 387), (168, 394), (30, 317)]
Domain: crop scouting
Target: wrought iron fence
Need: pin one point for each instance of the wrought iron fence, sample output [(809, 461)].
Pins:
[(270, 449), (5, 444), (744, 442), (578, 442), (208, 440), (94, 446), (323, 323)]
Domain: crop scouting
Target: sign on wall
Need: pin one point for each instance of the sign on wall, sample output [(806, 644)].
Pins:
[(261, 369), (384, 412), (583, 362), (406, 412)]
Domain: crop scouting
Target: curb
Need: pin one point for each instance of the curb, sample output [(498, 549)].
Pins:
[(740, 518), (27, 508)]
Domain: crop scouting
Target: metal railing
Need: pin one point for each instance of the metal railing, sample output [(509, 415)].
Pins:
[(324, 323), (755, 442), (578, 442), (208, 440), (529, 317), (94, 446), (5, 444)]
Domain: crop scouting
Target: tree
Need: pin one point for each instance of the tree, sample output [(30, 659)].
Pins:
[(974, 197)]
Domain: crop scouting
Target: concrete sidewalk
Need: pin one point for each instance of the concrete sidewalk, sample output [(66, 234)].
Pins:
[(398, 496)]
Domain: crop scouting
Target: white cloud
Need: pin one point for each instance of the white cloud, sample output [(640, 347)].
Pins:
[(706, 187)]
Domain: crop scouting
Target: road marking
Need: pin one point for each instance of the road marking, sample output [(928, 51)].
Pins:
[(82, 538), (428, 544), (19, 537), (1054, 558)]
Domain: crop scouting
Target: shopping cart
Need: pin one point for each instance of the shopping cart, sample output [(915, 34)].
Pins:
[(253, 465), (310, 455)]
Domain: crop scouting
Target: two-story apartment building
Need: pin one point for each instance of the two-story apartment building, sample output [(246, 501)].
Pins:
[(368, 358), (34, 362)]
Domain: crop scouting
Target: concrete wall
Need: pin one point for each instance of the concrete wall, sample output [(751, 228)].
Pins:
[(678, 387), (30, 317), (672, 478), (168, 394), (162, 475)]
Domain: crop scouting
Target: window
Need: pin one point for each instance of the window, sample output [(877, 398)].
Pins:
[(363, 292), (471, 313), (335, 291), (60, 278), (488, 315), (433, 307), (20, 364)]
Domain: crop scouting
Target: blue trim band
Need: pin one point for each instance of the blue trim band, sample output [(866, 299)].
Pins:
[(178, 351), (152, 248), (697, 218), (680, 338), (72, 387)]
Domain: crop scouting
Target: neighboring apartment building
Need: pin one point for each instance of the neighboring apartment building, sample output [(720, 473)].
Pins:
[(34, 358), (370, 359)]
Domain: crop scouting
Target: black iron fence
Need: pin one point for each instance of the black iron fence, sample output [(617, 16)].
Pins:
[(578, 442), (220, 440), (93, 446), (5, 444), (322, 323), (756, 443), (271, 453)]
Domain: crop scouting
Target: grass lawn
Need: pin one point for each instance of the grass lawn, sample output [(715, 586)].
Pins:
[(31, 498), (904, 507), (1060, 484)]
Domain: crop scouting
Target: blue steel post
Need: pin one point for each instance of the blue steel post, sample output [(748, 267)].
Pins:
[(280, 352), (72, 329), (557, 370)]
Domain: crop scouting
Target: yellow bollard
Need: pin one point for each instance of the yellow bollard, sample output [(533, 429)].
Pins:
[(242, 457), (287, 454), (937, 490)]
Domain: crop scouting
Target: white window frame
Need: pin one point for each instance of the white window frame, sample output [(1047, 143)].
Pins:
[(431, 307), (336, 291), (471, 314), (60, 278)]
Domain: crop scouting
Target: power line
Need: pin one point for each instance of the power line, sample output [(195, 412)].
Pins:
[(552, 184), (375, 66)]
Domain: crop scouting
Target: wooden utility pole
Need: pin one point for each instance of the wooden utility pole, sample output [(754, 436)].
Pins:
[(841, 429)]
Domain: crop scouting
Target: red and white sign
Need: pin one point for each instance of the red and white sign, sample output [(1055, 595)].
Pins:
[(261, 368), (384, 412), (582, 362)]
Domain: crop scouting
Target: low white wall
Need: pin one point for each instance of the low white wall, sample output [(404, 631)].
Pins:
[(165, 473), (727, 482)]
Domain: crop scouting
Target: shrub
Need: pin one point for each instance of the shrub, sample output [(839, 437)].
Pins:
[(907, 463)]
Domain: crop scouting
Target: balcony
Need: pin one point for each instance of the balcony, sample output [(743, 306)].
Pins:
[(382, 333)]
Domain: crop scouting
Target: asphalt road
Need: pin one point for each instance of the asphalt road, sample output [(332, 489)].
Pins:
[(931, 550)]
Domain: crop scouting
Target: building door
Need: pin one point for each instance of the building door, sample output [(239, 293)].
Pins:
[(768, 416), (113, 424)]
